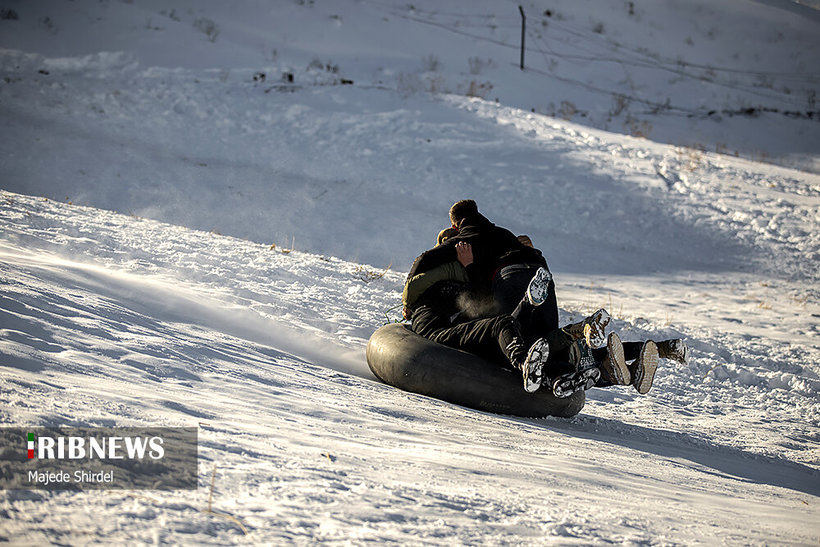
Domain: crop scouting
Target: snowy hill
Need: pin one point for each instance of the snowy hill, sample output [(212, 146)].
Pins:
[(208, 207)]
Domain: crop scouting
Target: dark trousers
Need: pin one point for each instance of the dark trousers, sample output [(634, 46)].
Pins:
[(631, 351), (489, 337), (510, 286), (509, 291)]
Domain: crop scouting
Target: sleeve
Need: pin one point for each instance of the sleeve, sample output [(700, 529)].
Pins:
[(434, 257), (419, 283)]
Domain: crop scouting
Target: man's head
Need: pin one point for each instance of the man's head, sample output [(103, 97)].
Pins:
[(461, 210)]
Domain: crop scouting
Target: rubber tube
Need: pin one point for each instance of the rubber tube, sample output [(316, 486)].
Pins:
[(403, 359)]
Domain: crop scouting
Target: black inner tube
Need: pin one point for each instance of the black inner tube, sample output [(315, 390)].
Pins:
[(401, 358)]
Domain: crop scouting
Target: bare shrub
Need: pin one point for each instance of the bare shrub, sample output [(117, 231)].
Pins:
[(620, 103), (431, 63), (638, 128), (207, 27), (567, 110), (477, 64), (479, 89)]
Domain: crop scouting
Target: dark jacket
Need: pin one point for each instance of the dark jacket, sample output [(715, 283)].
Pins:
[(493, 248)]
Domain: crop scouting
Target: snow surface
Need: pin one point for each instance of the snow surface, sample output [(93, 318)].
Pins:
[(187, 243)]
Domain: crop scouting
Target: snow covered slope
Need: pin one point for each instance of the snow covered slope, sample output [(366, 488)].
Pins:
[(190, 238), (738, 76), (131, 107), (110, 319)]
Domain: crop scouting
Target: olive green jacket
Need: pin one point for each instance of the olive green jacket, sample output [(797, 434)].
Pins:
[(416, 285)]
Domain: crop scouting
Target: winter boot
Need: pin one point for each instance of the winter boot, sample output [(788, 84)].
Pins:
[(675, 349), (613, 367), (643, 368), (580, 355), (533, 367), (585, 375), (538, 289), (593, 328), (565, 385)]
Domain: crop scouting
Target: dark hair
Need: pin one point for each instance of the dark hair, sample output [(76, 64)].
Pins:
[(462, 209), (445, 234)]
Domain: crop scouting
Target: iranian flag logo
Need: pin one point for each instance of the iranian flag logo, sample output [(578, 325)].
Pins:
[(30, 446)]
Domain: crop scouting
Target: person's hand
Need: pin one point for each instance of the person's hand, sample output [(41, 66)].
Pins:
[(464, 253)]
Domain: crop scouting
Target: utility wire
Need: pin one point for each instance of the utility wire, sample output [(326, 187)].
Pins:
[(655, 64)]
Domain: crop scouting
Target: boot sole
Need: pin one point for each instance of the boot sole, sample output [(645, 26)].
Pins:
[(647, 366), (538, 289), (595, 329), (536, 362), (567, 384), (615, 364)]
